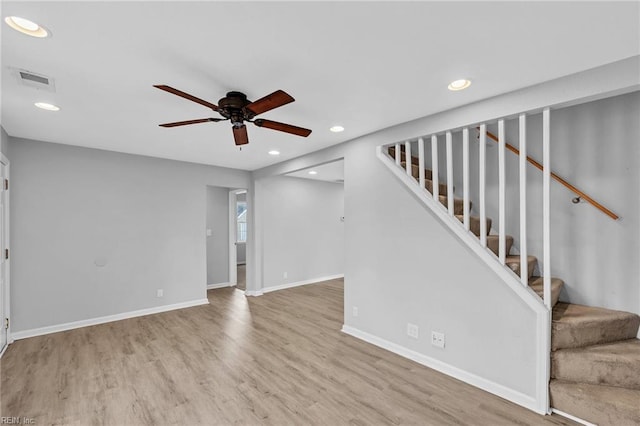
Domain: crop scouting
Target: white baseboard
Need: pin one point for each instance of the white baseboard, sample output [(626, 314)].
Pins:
[(101, 320), (465, 376), (219, 285), (299, 283), (571, 417), (253, 293)]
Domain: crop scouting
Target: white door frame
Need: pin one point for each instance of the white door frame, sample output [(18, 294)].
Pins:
[(3, 246), (233, 229)]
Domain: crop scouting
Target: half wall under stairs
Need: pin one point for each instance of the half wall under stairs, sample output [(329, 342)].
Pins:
[(595, 355)]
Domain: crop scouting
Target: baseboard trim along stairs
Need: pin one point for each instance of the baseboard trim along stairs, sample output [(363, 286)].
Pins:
[(450, 370), (594, 358)]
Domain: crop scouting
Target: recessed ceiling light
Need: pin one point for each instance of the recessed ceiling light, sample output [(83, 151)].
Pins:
[(459, 84), (274, 152), (313, 172), (26, 26), (337, 129), (48, 107)]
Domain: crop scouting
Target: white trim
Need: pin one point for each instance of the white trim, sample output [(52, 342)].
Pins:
[(571, 417), (300, 283), (241, 263), (233, 278), (219, 285), (109, 318), (448, 369), (254, 293), (6, 297)]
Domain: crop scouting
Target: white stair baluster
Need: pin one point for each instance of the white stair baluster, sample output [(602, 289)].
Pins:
[(421, 162), (434, 168), (397, 152), (449, 147), (482, 182), (523, 197), (546, 208), (465, 177), (407, 157), (502, 245)]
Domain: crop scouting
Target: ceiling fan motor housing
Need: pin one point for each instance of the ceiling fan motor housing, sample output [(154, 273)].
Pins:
[(233, 106)]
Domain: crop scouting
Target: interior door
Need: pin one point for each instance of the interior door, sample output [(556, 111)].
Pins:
[(3, 262)]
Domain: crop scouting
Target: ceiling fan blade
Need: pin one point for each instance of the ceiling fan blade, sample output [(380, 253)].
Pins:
[(269, 102), (282, 127), (184, 123), (186, 96), (240, 135)]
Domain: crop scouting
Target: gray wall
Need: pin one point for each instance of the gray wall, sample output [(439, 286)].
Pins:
[(218, 242), (403, 266), (75, 208), (302, 231), (594, 147)]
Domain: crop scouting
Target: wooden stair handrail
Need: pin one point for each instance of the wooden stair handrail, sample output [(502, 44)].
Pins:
[(566, 184), (582, 195)]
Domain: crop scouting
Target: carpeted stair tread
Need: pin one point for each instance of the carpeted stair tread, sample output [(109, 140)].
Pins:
[(493, 243), (513, 262), (458, 204), (575, 326), (537, 284), (415, 171), (602, 405), (428, 184), (474, 224), (610, 364)]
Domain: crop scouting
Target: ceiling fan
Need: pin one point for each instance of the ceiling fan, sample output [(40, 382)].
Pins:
[(238, 109)]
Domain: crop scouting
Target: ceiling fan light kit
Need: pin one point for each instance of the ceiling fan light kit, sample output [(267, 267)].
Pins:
[(235, 107)]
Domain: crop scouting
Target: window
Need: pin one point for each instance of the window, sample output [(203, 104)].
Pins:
[(241, 215)]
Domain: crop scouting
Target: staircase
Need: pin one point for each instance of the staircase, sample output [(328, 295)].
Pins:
[(595, 355)]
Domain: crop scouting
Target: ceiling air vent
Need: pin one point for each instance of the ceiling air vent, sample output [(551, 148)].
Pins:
[(35, 80), (33, 77)]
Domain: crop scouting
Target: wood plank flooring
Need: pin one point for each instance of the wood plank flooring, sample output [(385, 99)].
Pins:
[(278, 359)]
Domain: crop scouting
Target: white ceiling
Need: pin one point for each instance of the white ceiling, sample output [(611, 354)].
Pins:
[(328, 172), (365, 65)]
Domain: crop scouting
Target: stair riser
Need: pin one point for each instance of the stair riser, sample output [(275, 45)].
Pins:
[(514, 264), (602, 405), (494, 244), (576, 366), (415, 171), (474, 224), (536, 283), (428, 184), (457, 204), (594, 333)]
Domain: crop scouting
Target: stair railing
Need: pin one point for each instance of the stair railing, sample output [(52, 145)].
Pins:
[(581, 195), (402, 152)]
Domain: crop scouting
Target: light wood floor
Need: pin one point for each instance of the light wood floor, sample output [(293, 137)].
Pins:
[(278, 359)]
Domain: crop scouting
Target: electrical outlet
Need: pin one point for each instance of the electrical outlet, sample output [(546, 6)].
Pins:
[(159, 292), (285, 275), (412, 330), (437, 339), (355, 311)]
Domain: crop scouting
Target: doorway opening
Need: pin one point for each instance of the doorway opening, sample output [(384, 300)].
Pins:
[(238, 203), (226, 237)]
